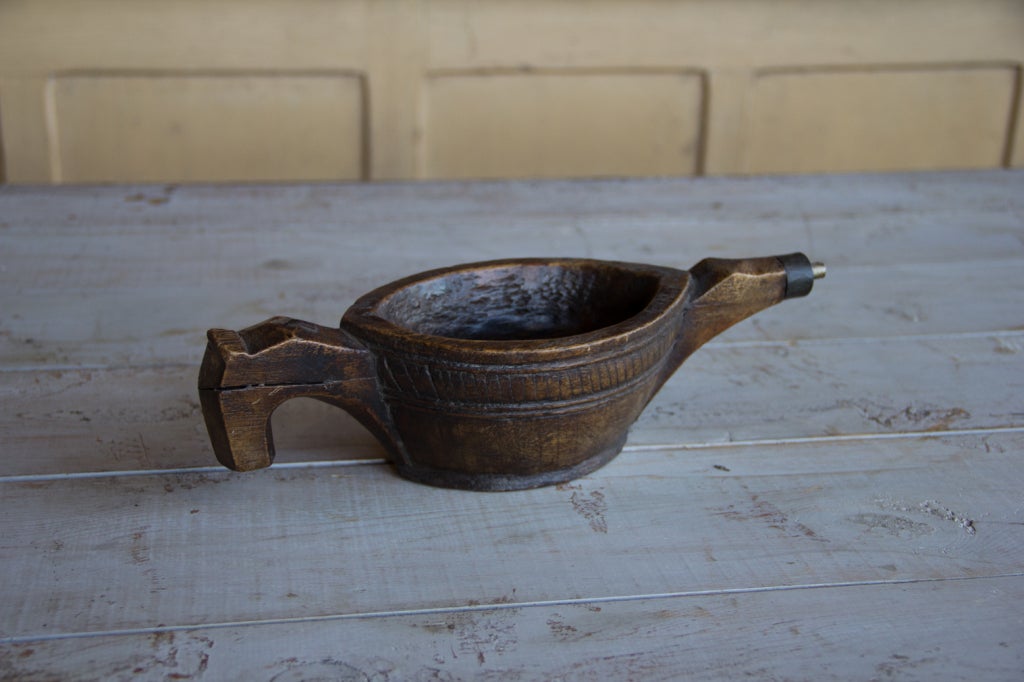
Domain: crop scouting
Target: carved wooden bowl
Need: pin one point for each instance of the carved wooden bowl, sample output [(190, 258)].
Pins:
[(490, 376)]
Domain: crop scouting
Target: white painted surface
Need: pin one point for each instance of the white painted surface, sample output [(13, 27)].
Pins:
[(831, 490)]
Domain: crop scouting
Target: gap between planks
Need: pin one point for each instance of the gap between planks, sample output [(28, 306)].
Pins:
[(500, 606), (739, 343), (647, 447)]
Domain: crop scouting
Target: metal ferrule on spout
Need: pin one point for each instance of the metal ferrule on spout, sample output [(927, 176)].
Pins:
[(800, 274)]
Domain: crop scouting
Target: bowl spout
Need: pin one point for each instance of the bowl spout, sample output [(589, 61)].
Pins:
[(723, 292)]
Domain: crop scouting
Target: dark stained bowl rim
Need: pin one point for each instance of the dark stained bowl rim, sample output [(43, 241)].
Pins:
[(364, 321)]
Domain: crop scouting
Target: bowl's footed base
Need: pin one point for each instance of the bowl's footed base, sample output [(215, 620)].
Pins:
[(485, 482)]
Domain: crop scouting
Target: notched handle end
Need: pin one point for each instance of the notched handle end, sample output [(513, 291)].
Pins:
[(247, 374), (280, 351), (221, 346)]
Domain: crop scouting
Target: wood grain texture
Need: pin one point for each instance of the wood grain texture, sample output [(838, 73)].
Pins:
[(186, 549), (888, 631), (830, 493), (101, 307)]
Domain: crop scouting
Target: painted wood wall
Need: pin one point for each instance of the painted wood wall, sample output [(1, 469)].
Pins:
[(222, 90)]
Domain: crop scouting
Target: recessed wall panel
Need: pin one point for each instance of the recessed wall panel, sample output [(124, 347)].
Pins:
[(808, 121), (502, 125), (220, 127)]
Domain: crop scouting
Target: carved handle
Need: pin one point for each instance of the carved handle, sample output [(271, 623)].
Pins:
[(247, 374)]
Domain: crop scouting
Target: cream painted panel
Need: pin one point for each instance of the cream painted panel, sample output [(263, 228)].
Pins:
[(188, 35), (724, 34), (884, 119), (166, 127), (739, 45), (24, 131), (3, 166), (490, 125), (1016, 155)]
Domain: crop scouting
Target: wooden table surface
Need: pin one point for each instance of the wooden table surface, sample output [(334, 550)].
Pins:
[(833, 489)]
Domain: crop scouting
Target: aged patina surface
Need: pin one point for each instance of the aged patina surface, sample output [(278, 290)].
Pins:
[(499, 375)]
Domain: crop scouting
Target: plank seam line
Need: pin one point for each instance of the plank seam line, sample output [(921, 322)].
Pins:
[(502, 606), (720, 345), (902, 435), (97, 367), (30, 478), (905, 435), (934, 336)]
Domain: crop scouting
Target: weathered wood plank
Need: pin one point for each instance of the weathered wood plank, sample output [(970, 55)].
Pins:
[(229, 256), (872, 219), (108, 553), (879, 423), (65, 323), (839, 387), (66, 421), (949, 630), (149, 418)]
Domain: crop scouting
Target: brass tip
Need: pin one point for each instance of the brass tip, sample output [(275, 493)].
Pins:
[(819, 270)]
